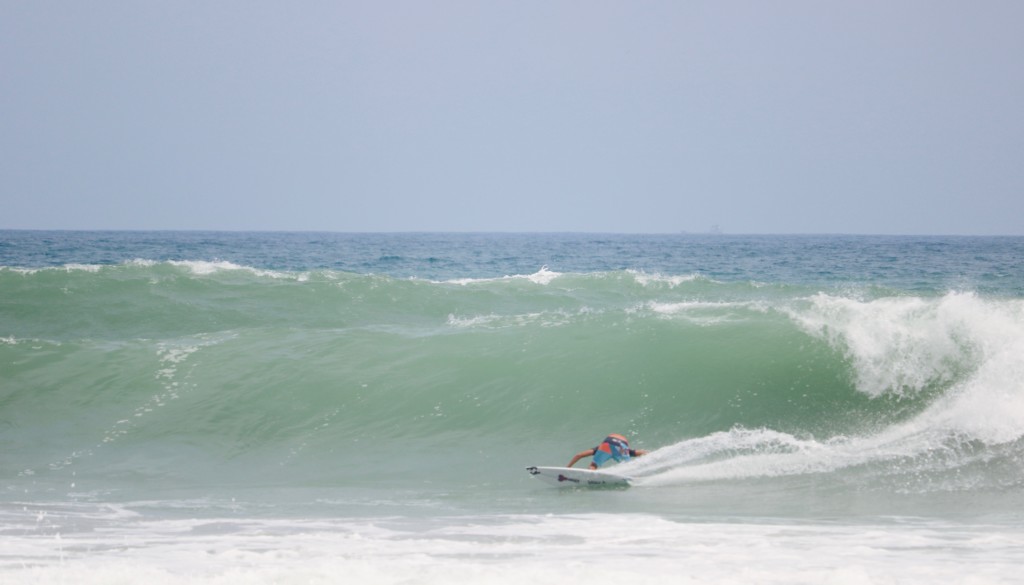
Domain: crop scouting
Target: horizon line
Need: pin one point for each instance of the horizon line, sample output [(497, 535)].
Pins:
[(718, 233)]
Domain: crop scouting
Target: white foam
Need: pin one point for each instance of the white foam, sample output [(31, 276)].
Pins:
[(703, 313), (196, 267), (644, 279), (736, 454), (74, 267), (555, 318), (83, 267), (986, 407), (544, 276), (972, 346), (206, 268), (989, 406), (904, 344), (591, 548), (474, 321)]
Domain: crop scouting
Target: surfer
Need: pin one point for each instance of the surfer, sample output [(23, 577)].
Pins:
[(613, 447)]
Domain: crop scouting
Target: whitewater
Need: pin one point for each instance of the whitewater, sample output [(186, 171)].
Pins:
[(202, 407)]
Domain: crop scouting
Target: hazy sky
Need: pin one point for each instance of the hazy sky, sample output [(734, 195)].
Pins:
[(761, 116)]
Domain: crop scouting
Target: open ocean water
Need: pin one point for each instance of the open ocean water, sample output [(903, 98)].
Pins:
[(359, 408)]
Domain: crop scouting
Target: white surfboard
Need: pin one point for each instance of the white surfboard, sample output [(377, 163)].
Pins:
[(571, 477)]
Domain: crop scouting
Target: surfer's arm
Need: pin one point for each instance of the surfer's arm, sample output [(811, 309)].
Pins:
[(580, 455), (637, 452)]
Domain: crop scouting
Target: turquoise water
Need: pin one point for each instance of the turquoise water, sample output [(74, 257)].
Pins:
[(238, 393)]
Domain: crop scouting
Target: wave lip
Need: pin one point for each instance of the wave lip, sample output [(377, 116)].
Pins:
[(905, 344), (959, 358)]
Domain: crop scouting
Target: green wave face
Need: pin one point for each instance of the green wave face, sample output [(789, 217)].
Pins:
[(184, 374)]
